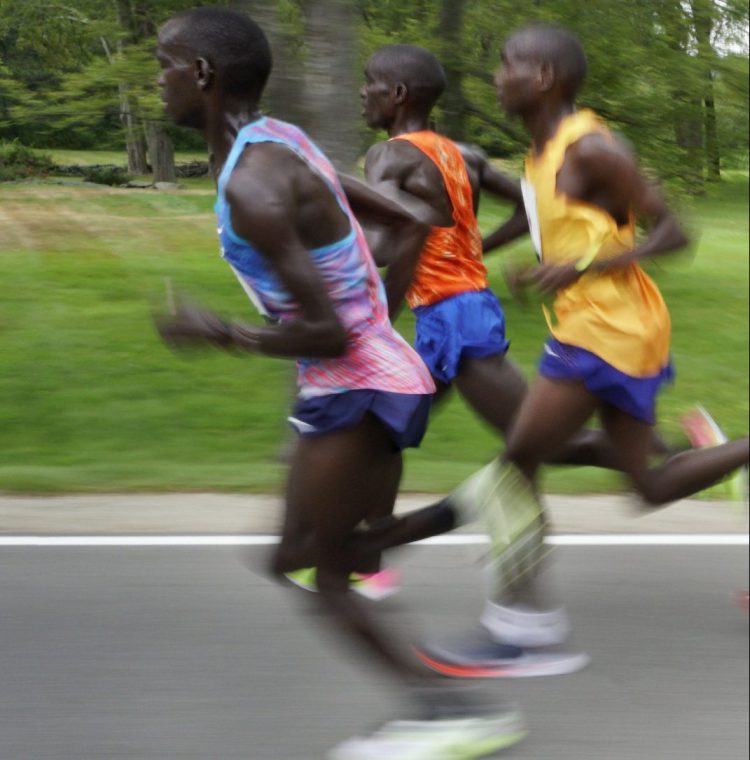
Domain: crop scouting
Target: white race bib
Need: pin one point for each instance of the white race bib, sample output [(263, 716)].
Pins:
[(532, 214)]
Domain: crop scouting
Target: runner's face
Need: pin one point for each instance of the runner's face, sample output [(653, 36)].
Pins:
[(177, 82), (517, 78), (377, 98)]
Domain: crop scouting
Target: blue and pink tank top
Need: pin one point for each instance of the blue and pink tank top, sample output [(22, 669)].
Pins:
[(377, 357)]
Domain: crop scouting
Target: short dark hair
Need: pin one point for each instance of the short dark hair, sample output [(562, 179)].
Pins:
[(232, 43), (562, 50), (416, 67)]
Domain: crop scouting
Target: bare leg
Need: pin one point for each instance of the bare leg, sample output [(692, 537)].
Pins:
[(325, 503), (550, 414), (679, 476), (495, 389)]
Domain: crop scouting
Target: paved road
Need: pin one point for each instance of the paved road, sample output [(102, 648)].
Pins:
[(182, 654)]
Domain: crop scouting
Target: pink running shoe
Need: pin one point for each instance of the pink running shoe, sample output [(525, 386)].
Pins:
[(703, 431), (701, 428), (377, 586)]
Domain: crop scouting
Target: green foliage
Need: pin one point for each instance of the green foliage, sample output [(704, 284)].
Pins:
[(67, 65), (20, 162), (106, 175)]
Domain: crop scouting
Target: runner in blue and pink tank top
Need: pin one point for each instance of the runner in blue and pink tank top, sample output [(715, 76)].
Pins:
[(364, 394), (377, 357)]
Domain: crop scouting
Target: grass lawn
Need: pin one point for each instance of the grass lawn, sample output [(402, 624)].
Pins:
[(114, 157), (90, 400)]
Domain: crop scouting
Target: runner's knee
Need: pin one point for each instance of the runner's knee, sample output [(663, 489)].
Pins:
[(650, 490)]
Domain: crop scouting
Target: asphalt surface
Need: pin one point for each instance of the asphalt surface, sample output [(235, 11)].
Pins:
[(183, 653)]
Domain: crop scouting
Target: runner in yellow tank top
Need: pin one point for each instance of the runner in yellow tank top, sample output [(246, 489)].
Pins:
[(618, 313), (609, 350)]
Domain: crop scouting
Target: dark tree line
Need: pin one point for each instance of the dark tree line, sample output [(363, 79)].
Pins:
[(670, 74)]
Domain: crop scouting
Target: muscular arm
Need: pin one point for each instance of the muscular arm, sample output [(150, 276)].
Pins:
[(490, 180), (270, 194), (391, 168), (402, 237), (394, 169), (604, 173), (265, 205)]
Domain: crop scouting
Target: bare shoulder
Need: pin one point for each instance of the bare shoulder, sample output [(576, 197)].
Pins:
[(262, 193), (266, 176), (392, 159), (598, 154), (473, 155)]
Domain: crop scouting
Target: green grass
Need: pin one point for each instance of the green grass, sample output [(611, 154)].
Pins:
[(90, 400), (115, 157)]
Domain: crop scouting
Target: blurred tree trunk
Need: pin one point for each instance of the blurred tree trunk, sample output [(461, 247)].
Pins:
[(314, 80), (161, 152), (703, 21), (450, 26), (137, 24), (331, 98), (689, 138), (134, 142)]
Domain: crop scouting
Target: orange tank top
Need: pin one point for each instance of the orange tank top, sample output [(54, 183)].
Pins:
[(451, 259)]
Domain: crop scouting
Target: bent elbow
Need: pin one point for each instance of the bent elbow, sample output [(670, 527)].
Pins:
[(335, 343)]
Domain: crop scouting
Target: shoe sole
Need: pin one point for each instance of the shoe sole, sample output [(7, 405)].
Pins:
[(491, 735), (527, 666)]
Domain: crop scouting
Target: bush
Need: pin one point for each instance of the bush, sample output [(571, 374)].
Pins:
[(106, 175), (19, 162)]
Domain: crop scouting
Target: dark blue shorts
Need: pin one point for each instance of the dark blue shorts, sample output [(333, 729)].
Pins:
[(467, 325), (634, 395), (403, 414)]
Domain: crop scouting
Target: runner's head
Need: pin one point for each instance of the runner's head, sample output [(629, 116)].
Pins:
[(209, 56), (400, 77), (538, 63)]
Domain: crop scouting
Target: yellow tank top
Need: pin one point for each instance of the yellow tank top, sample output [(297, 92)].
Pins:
[(620, 316)]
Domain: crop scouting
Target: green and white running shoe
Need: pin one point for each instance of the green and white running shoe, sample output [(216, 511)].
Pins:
[(466, 738)]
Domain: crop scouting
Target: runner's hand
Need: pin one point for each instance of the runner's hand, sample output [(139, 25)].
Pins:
[(189, 326), (550, 278)]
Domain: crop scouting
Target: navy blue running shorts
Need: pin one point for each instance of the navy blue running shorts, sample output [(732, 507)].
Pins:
[(634, 395), (404, 415)]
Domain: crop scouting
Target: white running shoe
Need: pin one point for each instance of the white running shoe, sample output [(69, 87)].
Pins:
[(453, 739)]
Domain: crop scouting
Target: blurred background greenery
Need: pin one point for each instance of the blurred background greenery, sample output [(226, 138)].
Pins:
[(90, 400)]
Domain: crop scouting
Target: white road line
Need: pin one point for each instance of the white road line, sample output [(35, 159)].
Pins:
[(459, 539)]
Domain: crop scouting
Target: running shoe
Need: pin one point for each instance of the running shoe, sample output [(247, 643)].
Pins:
[(743, 600), (701, 428), (477, 655), (703, 431), (466, 738), (373, 586), (306, 579), (377, 586)]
